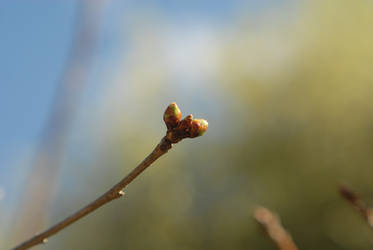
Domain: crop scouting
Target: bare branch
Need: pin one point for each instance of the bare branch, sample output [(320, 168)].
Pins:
[(114, 193), (176, 131), (272, 225), (355, 200)]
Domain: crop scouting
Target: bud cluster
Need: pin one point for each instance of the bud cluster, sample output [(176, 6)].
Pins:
[(178, 129)]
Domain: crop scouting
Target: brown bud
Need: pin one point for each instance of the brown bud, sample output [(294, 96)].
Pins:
[(172, 115), (198, 127), (185, 124)]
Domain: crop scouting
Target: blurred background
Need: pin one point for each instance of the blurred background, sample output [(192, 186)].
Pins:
[(286, 86)]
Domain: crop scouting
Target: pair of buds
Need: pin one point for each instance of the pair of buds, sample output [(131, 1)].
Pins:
[(187, 127)]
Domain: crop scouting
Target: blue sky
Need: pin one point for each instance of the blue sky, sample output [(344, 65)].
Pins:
[(34, 44), (35, 40)]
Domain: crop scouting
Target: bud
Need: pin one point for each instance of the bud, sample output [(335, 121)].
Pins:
[(172, 115), (185, 124), (198, 127)]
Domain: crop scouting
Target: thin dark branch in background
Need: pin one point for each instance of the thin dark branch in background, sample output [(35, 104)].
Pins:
[(40, 184), (272, 226), (355, 200)]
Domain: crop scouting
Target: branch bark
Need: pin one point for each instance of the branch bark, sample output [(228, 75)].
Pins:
[(114, 193)]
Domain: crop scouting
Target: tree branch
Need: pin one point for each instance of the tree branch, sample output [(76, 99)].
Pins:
[(354, 199), (114, 193), (274, 229), (176, 131)]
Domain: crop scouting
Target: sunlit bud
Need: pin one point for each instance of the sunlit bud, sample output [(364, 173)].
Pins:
[(198, 127), (172, 115)]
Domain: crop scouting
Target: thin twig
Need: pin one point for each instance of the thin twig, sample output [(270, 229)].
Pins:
[(114, 193), (355, 200), (272, 225), (176, 131)]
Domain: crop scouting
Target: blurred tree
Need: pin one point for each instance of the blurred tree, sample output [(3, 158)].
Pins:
[(34, 205)]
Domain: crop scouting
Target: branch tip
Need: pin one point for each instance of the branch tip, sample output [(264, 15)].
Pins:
[(186, 128)]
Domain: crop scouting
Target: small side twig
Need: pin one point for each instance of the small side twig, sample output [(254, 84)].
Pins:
[(355, 200), (176, 131), (272, 226)]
